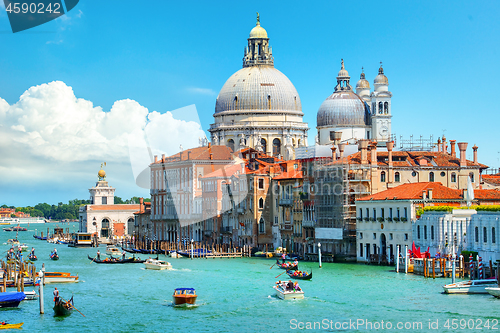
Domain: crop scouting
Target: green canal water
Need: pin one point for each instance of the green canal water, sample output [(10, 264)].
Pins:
[(236, 295)]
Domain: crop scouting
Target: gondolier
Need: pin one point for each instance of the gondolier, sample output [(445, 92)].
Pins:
[(98, 255), (56, 295), (123, 255)]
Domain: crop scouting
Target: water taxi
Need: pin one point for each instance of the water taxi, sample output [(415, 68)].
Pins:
[(60, 277), (157, 264), (184, 296), (113, 250), (288, 290), (470, 287)]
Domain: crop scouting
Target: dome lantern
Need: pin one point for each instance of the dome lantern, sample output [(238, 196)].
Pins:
[(363, 87), (343, 79), (381, 82), (258, 52)]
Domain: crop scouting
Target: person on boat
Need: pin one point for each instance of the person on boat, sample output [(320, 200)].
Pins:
[(283, 257), (32, 253), (123, 255), (98, 255), (289, 285), (296, 287), (295, 262), (56, 295)]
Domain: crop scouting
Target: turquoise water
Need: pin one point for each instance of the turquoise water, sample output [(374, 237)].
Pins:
[(236, 295)]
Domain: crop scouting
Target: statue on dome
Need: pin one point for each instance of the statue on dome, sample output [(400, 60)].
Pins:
[(258, 18), (102, 174)]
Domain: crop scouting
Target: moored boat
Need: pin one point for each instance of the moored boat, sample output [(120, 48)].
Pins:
[(60, 277), (11, 299), (195, 252), (184, 296), (495, 291), (63, 308), (288, 290), (30, 295), (157, 264), (300, 275), (470, 287), (18, 228), (116, 260), (113, 250), (9, 326)]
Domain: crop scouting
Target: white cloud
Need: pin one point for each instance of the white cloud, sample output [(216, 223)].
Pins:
[(49, 128)]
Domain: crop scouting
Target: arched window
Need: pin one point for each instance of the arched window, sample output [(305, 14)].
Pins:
[(397, 177), (380, 107), (382, 177), (431, 176), (262, 226), (485, 235), (269, 102), (386, 107), (493, 236), (105, 228), (471, 175), (261, 203), (236, 102), (453, 177), (263, 143), (476, 234), (276, 147), (230, 144)]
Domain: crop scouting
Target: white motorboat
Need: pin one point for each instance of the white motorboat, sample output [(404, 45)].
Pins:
[(113, 250), (30, 295), (174, 254), (495, 291), (157, 264), (470, 287), (284, 292), (60, 277)]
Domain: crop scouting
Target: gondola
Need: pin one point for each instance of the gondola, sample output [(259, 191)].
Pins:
[(299, 276), (40, 237), (63, 308), (54, 256), (116, 261), (288, 266), (32, 257)]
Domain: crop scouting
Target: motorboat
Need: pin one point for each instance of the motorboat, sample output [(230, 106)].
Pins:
[(113, 250), (11, 299), (157, 264), (13, 241), (60, 277), (174, 254), (495, 291), (184, 296), (470, 287), (23, 247), (288, 290), (30, 295)]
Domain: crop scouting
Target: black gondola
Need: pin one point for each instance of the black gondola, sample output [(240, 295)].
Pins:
[(32, 257), (62, 308), (116, 261), (299, 277), (288, 266)]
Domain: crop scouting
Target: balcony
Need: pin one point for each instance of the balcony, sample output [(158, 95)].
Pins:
[(284, 226), (308, 223), (226, 230), (285, 202)]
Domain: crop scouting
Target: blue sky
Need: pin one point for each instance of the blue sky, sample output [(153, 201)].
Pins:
[(440, 59)]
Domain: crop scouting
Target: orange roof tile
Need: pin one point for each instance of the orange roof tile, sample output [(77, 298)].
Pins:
[(414, 191), (292, 174), (492, 179), (493, 194), (200, 153)]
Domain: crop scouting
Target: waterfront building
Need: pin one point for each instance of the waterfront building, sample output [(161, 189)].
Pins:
[(356, 115), (142, 222), (258, 106), (102, 217), (176, 191)]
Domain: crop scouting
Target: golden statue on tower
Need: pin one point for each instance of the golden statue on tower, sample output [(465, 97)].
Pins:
[(102, 174)]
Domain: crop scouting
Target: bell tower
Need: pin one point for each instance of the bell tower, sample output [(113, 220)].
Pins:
[(381, 108)]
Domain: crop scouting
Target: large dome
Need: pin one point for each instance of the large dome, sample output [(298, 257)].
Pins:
[(258, 88), (343, 108)]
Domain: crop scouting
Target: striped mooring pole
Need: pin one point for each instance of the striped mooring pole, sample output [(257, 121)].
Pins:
[(471, 267), (480, 266)]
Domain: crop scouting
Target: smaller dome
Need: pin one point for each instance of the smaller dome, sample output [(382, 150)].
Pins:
[(101, 173), (258, 32), (381, 78), (362, 83)]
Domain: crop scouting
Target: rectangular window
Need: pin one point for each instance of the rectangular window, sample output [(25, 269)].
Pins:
[(360, 249), (261, 183), (360, 235), (374, 236), (390, 213), (361, 213), (406, 212), (382, 212), (367, 212), (390, 236), (374, 214), (104, 200), (406, 237), (398, 215), (425, 232)]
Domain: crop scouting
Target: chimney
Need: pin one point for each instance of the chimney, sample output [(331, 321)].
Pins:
[(363, 145), (475, 153), (390, 146), (373, 150), (163, 157), (189, 153), (341, 149), (452, 143), (141, 205), (439, 144), (429, 195), (444, 144), (209, 145), (334, 156), (462, 146), (424, 195), (156, 158)]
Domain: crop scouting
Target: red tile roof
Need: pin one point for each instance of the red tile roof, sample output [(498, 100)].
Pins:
[(292, 174), (493, 194), (414, 191), (200, 153), (492, 179)]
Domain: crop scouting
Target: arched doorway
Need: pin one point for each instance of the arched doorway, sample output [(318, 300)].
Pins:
[(383, 247), (105, 228), (276, 147)]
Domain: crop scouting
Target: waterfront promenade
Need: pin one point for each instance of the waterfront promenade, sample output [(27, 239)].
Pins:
[(236, 295)]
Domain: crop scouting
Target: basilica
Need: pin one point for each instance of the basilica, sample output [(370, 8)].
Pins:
[(258, 107)]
